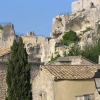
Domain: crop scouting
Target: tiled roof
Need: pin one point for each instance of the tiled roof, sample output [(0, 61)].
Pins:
[(4, 51), (72, 72)]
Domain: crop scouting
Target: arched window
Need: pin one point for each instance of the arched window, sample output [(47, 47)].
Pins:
[(42, 95)]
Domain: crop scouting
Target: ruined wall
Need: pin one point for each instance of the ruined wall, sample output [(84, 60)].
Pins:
[(34, 44), (7, 35)]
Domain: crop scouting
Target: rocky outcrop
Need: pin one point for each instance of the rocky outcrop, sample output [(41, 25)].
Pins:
[(80, 5), (86, 23)]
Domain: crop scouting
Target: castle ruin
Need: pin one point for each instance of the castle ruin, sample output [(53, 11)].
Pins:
[(80, 5)]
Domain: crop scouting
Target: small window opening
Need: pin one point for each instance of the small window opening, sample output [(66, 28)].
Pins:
[(92, 4), (43, 95)]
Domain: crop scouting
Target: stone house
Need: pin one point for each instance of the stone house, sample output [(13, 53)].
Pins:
[(72, 60), (70, 82)]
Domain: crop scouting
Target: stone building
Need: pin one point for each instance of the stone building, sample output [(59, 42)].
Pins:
[(73, 60), (4, 55), (64, 82)]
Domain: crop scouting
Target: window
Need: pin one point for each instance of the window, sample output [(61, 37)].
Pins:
[(85, 97), (42, 95)]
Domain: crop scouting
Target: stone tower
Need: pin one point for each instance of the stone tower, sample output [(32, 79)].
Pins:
[(7, 35)]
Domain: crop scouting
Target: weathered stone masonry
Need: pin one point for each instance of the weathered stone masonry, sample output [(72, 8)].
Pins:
[(3, 87), (3, 67)]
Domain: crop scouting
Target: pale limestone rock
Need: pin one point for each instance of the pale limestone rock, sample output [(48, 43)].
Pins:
[(80, 5), (31, 33)]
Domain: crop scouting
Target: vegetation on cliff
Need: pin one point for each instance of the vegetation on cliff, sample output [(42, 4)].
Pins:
[(55, 58), (1, 27), (90, 51), (18, 73), (70, 37), (75, 50)]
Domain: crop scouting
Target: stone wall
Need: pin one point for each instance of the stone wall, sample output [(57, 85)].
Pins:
[(97, 95), (74, 60), (3, 87), (43, 84), (5, 58), (7, 35), (3, 67), (35, 45)]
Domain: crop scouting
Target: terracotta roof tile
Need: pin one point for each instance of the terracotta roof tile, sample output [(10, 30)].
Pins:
[(72, 72), (4, 51)]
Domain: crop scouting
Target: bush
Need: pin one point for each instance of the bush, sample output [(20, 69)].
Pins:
[(60, 19), (87, 29), (1, 27), (64, 54), (70, 37), (55, 58), (91, 52)]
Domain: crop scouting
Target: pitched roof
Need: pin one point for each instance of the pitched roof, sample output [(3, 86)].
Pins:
[(4, 51), (72, 72)]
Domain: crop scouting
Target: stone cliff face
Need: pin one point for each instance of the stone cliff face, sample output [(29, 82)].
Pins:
[(84, 20), (80, 5)]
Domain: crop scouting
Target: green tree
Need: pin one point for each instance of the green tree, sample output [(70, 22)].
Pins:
[(70, 37), (18, 73)]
